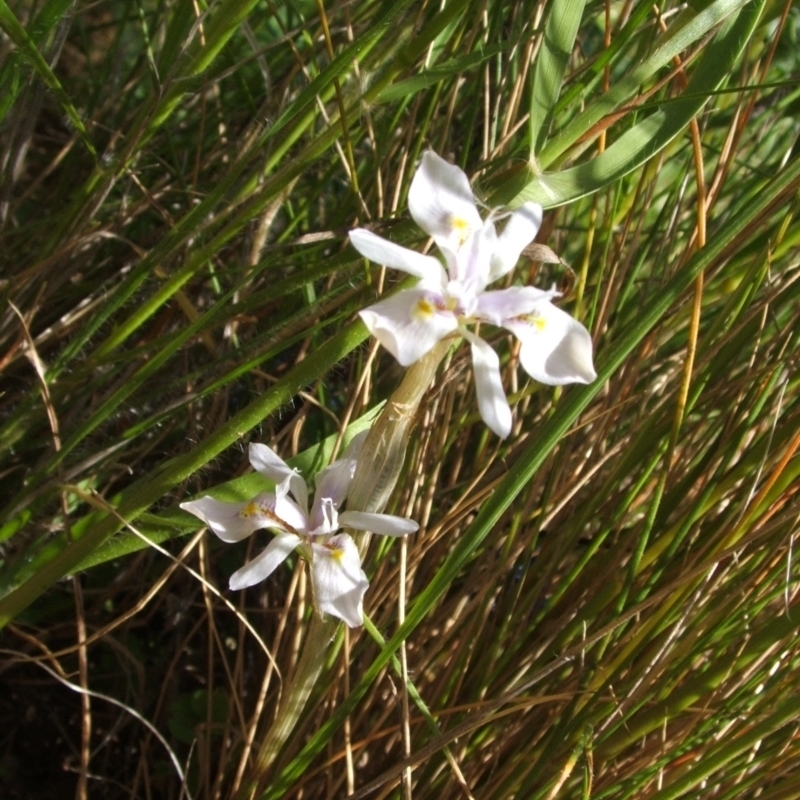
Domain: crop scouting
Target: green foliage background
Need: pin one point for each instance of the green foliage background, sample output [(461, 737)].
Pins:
[(601, 606)]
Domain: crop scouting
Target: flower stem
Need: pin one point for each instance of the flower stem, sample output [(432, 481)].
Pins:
[(377, 471), (312, 659)]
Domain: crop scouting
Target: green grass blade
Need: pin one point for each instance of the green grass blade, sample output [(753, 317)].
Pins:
[(639, 144), (558, 40), (27, 47), (678, 40)]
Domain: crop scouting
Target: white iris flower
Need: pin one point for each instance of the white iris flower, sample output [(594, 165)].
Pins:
[(556, 349), (338, 581)]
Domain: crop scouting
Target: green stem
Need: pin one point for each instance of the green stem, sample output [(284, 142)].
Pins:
[(312, 660)]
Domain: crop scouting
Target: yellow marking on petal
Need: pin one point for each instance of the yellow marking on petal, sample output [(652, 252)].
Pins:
[(538, 323), (534, 320), (250, 510), (461, 228), (336, 552), (423, 310)]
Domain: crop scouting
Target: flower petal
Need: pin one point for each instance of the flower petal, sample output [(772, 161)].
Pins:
[(264, 564), (383, 524), (441, 202), (324, 519), (472, 261), (332, 484), (503, 304), (382, 251), (519, 231), (492, 402), (339, 582), (233, 522), (288, 514), (266, 461), (410, 323), (556, 349), (224, 519)]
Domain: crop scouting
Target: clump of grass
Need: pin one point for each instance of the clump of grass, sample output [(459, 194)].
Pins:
[(602, 605)]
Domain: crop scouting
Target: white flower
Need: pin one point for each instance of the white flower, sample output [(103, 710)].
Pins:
[(338, 581), (556, 348)]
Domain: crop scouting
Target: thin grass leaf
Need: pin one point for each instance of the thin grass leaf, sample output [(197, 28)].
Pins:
[(558, 41), (639, 144), (30, 52)]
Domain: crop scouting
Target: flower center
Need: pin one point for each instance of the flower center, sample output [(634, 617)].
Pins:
[(458, 300)]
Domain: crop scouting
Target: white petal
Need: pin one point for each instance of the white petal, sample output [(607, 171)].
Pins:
[(556, 349), (288, 512), (264, 564), (382, 251), (266, 461), (492, 403), (383, 524), (339, 582), (233, 522), (503, 304), (324, 519), (441, 201), (224, 519), (472, 261), (519, 231), (410, 323), (332, 484), (334, 481)]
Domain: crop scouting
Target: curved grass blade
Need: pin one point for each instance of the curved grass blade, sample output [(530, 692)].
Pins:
[(449, 69), (679, 39), (560, 30), (648, 137)]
